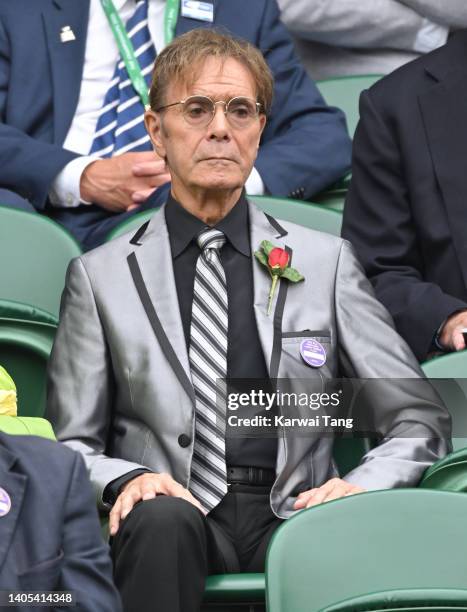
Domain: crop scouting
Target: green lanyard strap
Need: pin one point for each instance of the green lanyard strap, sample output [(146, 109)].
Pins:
[(125, 46)]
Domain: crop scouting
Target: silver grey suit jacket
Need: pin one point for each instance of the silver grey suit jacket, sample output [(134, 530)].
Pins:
[(120, 390)]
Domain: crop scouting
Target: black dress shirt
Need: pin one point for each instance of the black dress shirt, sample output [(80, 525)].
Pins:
[(245, 358)]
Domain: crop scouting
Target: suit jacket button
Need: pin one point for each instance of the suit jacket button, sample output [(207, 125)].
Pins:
[(184, 440)]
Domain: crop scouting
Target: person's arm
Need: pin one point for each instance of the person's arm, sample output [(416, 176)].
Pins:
[(452, 14), (305, 146), (378, 222), (86, 567), (27, 166), (380, 24), (404, 411), (80, 381)]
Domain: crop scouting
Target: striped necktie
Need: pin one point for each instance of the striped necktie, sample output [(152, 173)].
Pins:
[(208, 362), (120, 126)]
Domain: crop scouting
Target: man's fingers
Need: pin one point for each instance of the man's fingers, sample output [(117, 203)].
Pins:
[(129, 498), (114, 517), (149, 168), (303, 498), (458, 340), (337, 493), (319, 497), (141, 196)]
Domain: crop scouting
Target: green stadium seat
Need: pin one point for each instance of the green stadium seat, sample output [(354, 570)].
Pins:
[(35, 253), (367, 544), (405, 600), (296, 211), (26, 338), (344, 92)]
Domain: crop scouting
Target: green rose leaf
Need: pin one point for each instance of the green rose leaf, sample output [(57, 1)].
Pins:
[(6, 382), (267, 246), (292, 275), (261, 257)]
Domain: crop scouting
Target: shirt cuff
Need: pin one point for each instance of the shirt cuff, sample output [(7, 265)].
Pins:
[(430, 36), (65, 192), (254, 184)]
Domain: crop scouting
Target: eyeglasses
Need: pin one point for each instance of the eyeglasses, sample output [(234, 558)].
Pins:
[(199, 111)]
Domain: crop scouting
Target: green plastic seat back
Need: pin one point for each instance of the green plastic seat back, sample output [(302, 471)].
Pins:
[(406, 600), (344, 92), (378, 541), (442, 371), (303, 213), (26, 426), (35, 253), (24, 350)]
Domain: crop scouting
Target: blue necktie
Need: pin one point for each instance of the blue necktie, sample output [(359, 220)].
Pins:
[(120, 127)]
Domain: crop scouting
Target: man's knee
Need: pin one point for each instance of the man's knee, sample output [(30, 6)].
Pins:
[(156, 516), (13, 200)]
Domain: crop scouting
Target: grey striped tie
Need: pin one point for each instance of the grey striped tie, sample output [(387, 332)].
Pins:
[(208, 362)]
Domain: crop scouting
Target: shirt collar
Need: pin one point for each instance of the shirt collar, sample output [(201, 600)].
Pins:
[(183, 227)]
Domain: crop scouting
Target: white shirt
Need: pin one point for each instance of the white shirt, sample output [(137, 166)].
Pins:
[(100, 59)]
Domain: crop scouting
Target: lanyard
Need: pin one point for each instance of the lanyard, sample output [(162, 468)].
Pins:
[(125, 46)]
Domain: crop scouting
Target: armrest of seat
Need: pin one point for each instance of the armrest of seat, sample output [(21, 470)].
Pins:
[(408, 599), (235, 588)]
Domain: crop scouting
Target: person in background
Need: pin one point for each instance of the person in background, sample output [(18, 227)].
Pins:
[(405, 211), (72, 137), (349, 37), (50, 538)]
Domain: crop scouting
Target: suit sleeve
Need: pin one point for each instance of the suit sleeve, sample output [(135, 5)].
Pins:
[(305, 146), (27, 165), (86, 568), (406, 412), (81, 384), (378, 222), (386, 24), (451, 14)]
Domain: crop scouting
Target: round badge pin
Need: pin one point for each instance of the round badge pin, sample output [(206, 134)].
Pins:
[(5, 502), (313, 352)]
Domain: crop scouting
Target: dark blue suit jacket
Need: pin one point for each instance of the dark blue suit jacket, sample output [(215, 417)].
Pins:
[(50, 539), (305, 146)]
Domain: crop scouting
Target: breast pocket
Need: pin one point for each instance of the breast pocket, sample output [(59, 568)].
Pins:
[(307, 354), (43, 576)]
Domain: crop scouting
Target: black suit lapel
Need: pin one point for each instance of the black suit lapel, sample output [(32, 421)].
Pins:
[(66, 58), (444, 112), (14, 484)]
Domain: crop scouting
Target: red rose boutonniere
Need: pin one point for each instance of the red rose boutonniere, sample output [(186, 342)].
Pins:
[(277, 262)]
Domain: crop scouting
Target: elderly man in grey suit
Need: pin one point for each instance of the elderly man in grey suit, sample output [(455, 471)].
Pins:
[(150, 321)]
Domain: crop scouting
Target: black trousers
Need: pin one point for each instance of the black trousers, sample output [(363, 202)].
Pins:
[(166, 547)]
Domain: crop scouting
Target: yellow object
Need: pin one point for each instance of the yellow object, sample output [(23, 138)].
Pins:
[(8, 406), (8, 403)]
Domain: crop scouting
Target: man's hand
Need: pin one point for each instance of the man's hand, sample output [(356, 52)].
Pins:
[(332, 489), (451, 334), (143, 487), (122, 182)]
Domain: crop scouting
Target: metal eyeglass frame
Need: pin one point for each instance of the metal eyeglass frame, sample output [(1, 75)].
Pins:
[(226, 107)]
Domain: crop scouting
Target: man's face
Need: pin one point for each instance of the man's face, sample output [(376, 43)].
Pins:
[(213, 157)]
